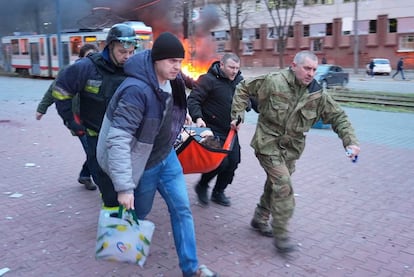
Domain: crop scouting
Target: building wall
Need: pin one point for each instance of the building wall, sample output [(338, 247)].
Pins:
[(338, 47)]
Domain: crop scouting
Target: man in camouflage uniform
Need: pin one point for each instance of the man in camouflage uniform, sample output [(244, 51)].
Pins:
[(289, 103)]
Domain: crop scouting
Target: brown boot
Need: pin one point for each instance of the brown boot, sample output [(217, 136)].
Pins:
[(262, 227)]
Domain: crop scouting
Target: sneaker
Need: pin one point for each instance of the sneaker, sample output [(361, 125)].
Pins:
[(201, 194), (87, 182), (263, 228), (284, 245), (203, 271), (220, 198)]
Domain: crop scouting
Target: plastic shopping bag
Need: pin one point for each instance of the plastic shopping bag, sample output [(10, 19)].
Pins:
[(122, 237)]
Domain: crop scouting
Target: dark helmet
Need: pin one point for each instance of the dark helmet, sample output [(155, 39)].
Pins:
[(122, 33)]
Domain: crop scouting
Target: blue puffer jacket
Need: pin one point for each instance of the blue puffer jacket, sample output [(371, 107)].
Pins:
[(141, 123)]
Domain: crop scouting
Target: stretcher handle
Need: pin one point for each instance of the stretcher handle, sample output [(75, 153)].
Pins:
[(228, 143)]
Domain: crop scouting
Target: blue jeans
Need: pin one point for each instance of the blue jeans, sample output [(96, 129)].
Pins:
[(168, 179)]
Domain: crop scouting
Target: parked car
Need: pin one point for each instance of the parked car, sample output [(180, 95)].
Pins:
[(382, 66), (329, 75)]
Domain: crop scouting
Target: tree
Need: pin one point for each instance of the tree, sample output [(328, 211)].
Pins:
[(281, 13), (236, 14)]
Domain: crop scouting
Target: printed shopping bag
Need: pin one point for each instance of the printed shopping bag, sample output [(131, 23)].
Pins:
[(122, 237)]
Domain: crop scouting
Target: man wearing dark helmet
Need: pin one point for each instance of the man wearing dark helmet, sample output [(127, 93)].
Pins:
[(95, 80)]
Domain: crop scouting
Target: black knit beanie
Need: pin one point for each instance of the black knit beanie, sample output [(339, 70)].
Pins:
[(167, 46)]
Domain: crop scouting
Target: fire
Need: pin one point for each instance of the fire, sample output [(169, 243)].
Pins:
[(198, 57)]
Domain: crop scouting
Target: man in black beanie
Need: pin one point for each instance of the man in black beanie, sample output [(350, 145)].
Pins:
[(135, 146)]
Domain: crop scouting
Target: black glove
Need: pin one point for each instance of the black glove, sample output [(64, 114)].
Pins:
[(77, 129)]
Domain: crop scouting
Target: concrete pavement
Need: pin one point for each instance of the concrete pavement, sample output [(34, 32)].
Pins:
[(351, 219)]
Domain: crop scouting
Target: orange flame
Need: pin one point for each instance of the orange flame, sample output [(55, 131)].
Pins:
[(198, 57)]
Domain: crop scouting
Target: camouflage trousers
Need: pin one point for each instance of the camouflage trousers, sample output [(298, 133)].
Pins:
[(277, 199)]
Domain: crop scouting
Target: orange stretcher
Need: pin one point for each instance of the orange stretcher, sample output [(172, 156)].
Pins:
[(198, 158)]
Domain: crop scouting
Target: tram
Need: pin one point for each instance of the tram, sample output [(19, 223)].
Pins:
[(37, 54)]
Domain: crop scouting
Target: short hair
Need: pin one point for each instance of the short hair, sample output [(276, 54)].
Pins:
[(230, 56), (87, 47), (302, 55)]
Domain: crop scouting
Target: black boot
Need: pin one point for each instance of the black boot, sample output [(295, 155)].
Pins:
[(201, 193), (220, 198)]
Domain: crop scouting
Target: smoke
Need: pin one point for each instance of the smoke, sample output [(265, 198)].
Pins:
[(162, 15)]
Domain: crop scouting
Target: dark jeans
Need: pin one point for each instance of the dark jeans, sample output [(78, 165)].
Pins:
[(102, 180), (225, 171), (85, 172)]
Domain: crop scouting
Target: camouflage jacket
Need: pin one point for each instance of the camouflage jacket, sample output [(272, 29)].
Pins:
[(287, 111)]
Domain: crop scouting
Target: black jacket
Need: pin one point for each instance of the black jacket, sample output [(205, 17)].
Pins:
[(211, 99)]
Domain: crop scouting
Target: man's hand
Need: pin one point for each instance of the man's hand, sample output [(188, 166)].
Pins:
[(200, 122), (188, 120), (39, 115), (353, 151), (78, 129), (126, 200), (235, 124)]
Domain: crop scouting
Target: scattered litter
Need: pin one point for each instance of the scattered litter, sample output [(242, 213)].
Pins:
[(16, 195), (287, 265), (216, 216), (77, 213), (61, 212), (29, 165), (7, 192), (9, 217), (4, 270), (48, 205), (35, 143)]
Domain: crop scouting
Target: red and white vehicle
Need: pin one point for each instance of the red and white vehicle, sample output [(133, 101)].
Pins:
[(37, 54)]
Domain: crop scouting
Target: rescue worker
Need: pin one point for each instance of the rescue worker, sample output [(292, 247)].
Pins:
[(95, 79), (289, 103), (48, 100), (209, 104)]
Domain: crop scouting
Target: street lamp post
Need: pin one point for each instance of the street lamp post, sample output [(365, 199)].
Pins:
[(58, 30), (356, 39)]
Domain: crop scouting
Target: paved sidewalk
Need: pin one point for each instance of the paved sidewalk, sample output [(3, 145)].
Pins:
[(350, 220)]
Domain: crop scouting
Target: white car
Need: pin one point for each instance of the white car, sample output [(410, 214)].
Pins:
[(382, 66)]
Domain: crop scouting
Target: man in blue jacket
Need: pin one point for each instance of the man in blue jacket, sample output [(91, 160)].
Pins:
[(135, 146)]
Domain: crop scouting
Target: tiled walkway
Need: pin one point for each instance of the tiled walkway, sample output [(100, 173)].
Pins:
[(350, 220)]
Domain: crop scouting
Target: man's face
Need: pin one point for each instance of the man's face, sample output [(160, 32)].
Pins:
[(230, 68), (305, 72), (167, 69), (120, 54)]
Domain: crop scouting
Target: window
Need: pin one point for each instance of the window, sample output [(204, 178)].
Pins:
[(221, 47), (220, 35), (250, 34), (281, 4), (372, 26), (248, 48), (317, 30), (272, 33), (305, 30), (316, 44), (317, 2), (42, 46), (406, 43), (15, 46), (75, 45), (392, 25), (54, 46), (24, 46), (328, 30)]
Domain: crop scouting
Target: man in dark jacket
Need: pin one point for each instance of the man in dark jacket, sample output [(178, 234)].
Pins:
[(136, 141), (95, 79), (48, 100), (400, 68), (209, 104)]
